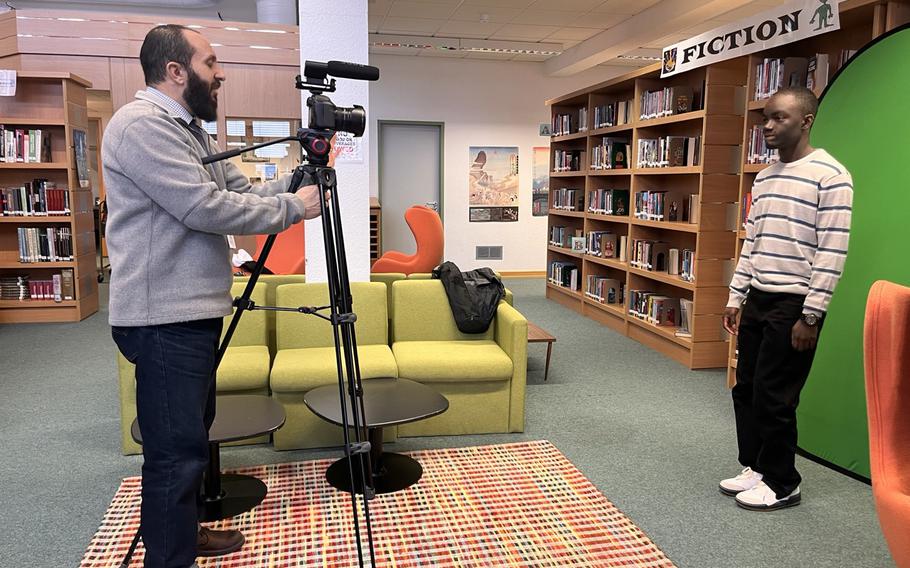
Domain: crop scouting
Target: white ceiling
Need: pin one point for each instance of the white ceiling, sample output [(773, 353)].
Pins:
[(556, 25)]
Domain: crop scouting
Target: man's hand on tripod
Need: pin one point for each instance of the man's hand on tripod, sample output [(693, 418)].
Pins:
[(309, 197)]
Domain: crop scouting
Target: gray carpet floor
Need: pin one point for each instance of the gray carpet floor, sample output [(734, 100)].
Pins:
[(652, 435)]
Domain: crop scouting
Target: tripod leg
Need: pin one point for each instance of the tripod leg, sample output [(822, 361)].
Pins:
[(340, 300)]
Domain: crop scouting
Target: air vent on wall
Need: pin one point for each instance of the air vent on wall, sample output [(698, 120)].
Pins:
[(488, 253)]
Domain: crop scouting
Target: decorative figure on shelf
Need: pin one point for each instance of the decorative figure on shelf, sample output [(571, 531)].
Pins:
[(674, 212)]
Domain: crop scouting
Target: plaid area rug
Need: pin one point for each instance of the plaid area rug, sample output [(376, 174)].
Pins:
[(516, 505)]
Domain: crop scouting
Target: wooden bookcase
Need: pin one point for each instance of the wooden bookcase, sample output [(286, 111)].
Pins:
[(55, 103), (861, 22), (720, 91), (375, 230)]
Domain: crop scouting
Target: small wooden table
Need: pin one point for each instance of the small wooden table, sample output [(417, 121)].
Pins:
[(538, 335)]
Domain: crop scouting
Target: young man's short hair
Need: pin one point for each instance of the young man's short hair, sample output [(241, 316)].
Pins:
[(805, 98)]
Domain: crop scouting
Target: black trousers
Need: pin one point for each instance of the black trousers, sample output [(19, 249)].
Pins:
[(769, 377)]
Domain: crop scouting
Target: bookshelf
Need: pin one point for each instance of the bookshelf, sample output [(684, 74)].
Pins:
[(715, 126), (56, 104), (375, 230), (861, 22)]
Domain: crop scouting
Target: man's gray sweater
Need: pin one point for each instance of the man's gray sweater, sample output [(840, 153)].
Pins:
[(168, 216)]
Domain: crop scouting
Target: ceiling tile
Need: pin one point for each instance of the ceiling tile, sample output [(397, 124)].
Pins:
[(546, 17), (599, 20), (749, 9), (442, 53), (527, 57), (408, 9), (629, 7), (495, 56), (524, 33), (567, 5), (410, 26), (378, 7), (475, 30), (576, 34), (495, 14), (520, 4)]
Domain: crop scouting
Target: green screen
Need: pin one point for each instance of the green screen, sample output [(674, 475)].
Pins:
[(862, 121)]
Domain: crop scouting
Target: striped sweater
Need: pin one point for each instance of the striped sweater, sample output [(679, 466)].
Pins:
[(797, 231)]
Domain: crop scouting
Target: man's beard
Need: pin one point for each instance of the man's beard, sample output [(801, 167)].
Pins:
[(198, 95)]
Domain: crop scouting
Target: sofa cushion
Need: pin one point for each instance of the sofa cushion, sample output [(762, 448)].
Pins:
[(300, 370), (244, 368), (452, 361)]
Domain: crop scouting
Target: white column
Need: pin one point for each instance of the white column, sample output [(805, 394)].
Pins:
[(331, 30)]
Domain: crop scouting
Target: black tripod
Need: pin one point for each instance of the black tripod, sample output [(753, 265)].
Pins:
[(316, 145)]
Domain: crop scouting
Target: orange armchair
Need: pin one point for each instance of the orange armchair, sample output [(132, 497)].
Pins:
[(428, 233), (887, 351)]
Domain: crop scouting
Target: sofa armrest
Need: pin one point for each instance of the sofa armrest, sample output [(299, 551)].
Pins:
[(511, 335)]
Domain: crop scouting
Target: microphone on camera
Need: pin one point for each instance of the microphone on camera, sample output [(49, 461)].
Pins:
[(340, 69)]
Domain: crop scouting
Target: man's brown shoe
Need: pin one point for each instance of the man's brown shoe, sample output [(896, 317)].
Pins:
[(217, 543)]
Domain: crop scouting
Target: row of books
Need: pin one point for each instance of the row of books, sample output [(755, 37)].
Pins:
[(612, 114), (45, 244), (566, 160), (654, 308), (609, 201), (58, 287), (669, 151), (666, 102), (759, 153), (654, 206), (564, 274), (564, 124), (568, 199), (36, 198), (560, 236), (23, 145), (658, 256), (606, 244), (812, 72), (605, 290), (610, 154)]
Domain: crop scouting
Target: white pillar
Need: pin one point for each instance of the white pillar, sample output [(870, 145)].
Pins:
[(337, 31)]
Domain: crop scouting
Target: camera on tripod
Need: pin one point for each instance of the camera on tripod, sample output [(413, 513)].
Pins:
[(324, 114)]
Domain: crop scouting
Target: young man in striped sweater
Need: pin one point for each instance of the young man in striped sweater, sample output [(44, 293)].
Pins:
[(792, 258)]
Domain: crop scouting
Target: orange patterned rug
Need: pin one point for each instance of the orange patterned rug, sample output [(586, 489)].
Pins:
[(516, 505)]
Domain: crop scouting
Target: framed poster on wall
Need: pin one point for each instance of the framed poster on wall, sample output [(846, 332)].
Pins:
[(540, 184), (493, 183)]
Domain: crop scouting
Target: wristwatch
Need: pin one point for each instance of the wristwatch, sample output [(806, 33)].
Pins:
[(810, 319)]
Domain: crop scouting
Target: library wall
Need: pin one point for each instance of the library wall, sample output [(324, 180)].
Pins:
[(482, 103)]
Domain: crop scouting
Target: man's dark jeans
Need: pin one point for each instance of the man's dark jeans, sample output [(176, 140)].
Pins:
[(175, 406)]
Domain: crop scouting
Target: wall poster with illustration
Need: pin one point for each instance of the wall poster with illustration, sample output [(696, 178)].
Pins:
[(493, 184), (540, 184)]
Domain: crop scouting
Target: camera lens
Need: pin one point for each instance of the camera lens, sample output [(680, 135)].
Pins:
[(351, 119)]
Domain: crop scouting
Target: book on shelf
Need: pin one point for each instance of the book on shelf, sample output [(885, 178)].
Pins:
[(566, 160), (685, 319), (658, 206), (610, 154), (578, 244), (690, 209), (21, 145), (666, 102), (605, 290), (772, 74), (612, 114), (36, 198), (659, 256), (602, 244), (566, 199), (623, 248), (564, 274), (45, 244), (817, 72), (746, 208), (561, 236), (583, 119), (609, 202), (669, 151), (759, 153)]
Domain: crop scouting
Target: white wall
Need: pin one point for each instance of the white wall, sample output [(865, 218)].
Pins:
[(482, 103)]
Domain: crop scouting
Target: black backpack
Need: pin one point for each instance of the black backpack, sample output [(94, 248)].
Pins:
[(473, 296)]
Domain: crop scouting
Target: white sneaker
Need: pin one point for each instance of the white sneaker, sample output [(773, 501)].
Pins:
[(747, 479), (762, 498)]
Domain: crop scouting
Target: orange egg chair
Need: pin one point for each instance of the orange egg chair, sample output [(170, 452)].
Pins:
[(887, 362), (427, 228), (287, 255)]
